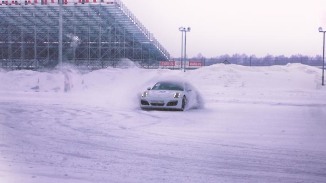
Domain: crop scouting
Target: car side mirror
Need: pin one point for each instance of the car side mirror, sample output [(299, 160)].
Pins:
[(149, 88)]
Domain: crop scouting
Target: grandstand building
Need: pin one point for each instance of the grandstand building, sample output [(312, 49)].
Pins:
[(95, 34)]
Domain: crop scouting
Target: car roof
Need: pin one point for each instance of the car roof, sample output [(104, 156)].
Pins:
[(174, 82)]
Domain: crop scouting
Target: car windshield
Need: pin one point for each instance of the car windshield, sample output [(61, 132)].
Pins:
[(168, 86)]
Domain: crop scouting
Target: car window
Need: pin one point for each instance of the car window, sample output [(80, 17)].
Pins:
[(168, 86), (189, 87)]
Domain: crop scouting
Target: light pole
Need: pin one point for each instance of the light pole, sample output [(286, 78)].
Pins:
[(60, 33), (321, 30), (181, 60), (184, 48)]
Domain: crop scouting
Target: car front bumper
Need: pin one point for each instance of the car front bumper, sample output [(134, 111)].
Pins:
[(173, 103)]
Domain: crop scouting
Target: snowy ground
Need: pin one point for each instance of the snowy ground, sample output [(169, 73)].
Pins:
[(259, 124)]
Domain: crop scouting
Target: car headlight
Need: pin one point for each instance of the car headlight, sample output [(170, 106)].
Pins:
[(145, 94), (177, 95)]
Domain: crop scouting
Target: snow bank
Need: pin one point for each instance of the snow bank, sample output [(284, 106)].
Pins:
[(121, 87)]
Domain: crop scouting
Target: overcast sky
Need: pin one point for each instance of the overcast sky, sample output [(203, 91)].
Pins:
[(259, 27)]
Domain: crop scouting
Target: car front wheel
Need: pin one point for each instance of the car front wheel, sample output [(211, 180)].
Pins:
[(184, 103)]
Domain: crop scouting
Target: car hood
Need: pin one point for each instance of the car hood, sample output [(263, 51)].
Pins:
[(162, 93)]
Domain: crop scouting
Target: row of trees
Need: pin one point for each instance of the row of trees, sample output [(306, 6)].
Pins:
[(252, 60)]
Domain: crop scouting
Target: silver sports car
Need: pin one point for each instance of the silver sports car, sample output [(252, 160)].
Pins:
[(170, 95)]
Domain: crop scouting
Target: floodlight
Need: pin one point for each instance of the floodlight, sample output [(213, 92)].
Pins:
[(320, 29)]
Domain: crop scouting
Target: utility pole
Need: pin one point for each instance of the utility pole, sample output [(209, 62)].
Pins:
[(322, 31)]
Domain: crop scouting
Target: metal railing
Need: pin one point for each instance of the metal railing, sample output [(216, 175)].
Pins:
[(144, 30)]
